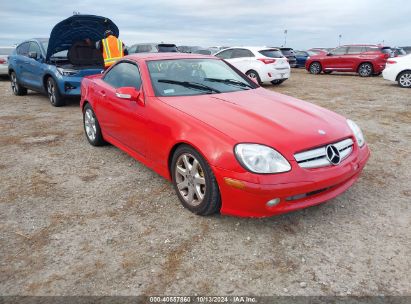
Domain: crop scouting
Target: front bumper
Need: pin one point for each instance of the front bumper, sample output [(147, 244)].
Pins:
[(304, 187)]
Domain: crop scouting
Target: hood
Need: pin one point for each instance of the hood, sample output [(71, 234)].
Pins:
[(262, 116), (76, 28)]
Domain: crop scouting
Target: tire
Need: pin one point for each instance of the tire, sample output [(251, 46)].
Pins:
[(17, 88), (328, 72), (278, 81), (53, 93), (92, 127), (196, 187), (404, 79), (365, 69), (254, 75), (315, 68)]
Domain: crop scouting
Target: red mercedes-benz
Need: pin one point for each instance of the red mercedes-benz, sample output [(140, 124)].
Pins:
[(366, 60), (226, 143)]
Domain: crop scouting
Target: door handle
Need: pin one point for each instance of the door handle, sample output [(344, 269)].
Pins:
[(103, 93), (26, 62)]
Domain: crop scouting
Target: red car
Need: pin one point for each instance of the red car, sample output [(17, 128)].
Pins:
[(225, 143), (366, 60)]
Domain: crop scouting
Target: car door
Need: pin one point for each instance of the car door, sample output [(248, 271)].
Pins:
[(19, 62), (33, 74), (335, 59), (352, 58), (122, 119)]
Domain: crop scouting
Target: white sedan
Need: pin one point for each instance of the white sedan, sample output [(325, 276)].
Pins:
[(265, 65), (398, 69)]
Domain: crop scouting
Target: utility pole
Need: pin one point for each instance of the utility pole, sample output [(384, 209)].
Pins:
[(339, 39), (285, 37)]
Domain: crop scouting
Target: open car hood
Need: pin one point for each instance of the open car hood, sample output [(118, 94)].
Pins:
[(76, 28)]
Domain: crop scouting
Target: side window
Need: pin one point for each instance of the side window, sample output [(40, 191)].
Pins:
[(355, 49), (225, 54), (23, 49), (241, 53), (34, 47), (123, 74), (339, 51)]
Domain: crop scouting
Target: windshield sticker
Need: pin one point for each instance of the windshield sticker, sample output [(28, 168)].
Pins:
[(169, 91)]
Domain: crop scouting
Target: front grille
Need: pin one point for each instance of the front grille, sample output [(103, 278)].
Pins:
[(317, 157)]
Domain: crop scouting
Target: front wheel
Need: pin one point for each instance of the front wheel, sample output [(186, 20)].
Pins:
[(404, 79), (54, 94), (194, 182), (315, 68), (17, 88), (365, 69)]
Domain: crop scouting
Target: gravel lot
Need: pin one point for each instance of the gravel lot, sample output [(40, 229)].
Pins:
[(80, 220)]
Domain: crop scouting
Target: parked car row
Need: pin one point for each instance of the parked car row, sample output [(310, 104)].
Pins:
[(57, 65)]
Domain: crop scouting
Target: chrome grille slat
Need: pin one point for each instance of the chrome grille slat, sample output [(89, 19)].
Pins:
[(316, 158)]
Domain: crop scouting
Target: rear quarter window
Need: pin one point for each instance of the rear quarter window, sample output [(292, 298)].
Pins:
[(271, 53)]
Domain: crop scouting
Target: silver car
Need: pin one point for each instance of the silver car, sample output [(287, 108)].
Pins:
[(5, 51)]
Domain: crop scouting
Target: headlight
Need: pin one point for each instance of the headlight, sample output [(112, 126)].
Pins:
[(357, 132), (261, 159), (67, 72)]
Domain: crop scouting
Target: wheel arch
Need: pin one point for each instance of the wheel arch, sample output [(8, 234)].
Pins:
[(45, 77), (174, 149), (362, 62), (399, 73)]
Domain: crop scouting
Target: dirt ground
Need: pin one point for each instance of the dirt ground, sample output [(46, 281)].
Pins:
[(80, 220)]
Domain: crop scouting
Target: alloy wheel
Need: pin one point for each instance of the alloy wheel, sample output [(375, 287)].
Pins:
[(365, 70), (190, 179), (315, 68), (252, 75), (405, 80), (90, 124), (51, 91), (14, 83)]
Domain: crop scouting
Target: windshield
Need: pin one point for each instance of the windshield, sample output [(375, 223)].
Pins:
[(185, 77), (6, 51), (271, 53)]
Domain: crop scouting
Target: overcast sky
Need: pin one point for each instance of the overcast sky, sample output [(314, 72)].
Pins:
[(314, 23)]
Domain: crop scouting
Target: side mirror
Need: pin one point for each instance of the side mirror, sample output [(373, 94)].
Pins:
[(329, 54), (130, 93), (33, 55)]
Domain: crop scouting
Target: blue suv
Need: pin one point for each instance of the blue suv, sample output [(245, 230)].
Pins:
[(56, 66)]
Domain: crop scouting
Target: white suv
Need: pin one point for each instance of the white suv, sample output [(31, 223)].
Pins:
[(260, 63)]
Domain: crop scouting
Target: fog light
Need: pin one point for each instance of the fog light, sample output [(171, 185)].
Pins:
[(273, 202)]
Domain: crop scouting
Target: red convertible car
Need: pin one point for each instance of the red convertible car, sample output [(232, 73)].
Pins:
[(226, 144)]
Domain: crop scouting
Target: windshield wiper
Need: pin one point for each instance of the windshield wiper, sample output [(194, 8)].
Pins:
[(230, 81), (190, 84)]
